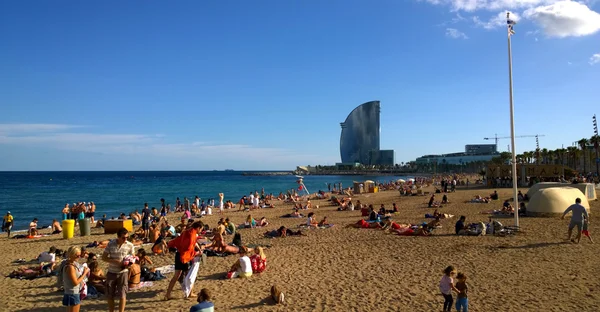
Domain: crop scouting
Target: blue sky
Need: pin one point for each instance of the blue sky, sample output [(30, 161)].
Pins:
[(193, 85)]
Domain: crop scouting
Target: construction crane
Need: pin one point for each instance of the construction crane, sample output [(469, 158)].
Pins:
[(496, 138)]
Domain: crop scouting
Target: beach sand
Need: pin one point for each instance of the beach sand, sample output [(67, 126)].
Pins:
[(347, 269)]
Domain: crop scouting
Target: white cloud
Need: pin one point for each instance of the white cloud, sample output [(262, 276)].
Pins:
[(11, 128), (141, 145), (569, 63), (490, 5), (557, 18), (495, 22), (455, 34), (595, 59), (565, 18)]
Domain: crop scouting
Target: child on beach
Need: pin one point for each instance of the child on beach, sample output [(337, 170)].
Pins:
[(462, 303), (584, 231), (447, 286)]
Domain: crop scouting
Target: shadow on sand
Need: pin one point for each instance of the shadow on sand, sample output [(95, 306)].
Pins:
[(530, 246), (263, 302)]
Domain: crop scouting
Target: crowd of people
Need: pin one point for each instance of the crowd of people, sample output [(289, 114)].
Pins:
[(191, 240)]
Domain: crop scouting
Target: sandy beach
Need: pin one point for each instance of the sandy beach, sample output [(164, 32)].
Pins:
[(347, 269)]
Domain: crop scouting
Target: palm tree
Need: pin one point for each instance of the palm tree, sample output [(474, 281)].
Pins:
[(551, 156), (544, 153), (596, 141), (573, 156), (583, 144)]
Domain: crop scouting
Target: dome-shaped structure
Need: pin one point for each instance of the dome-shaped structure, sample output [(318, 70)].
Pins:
[(588, 189), (360, 133), (553, 201)]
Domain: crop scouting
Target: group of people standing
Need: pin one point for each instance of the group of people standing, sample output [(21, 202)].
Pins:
[(79, 211)]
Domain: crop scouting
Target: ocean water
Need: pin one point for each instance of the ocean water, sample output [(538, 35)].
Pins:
[(42, 195)]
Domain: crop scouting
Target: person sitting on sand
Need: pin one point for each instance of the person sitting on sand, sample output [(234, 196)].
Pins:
[(100, 223), (250, 222), (258, 260), (33, 227), (372, 214), (445, 199), (134, 278), (47, 256), (431, 203), (229, 226), (181, 226), (160, 244), (56, 228), (494, 196), (507, 207), (311, 220), (323, 222), (460, 228), (154, 233), (97, 279), (204, 304), (242, 267)]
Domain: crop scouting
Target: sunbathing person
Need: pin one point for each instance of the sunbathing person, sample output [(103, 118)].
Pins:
[(283, 232), (294, 214), (31, 272), (262, 222), (479, 199), (362, 224)]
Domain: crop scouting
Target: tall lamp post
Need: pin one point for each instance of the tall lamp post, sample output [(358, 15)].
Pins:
[(510, 23), (596, 143)]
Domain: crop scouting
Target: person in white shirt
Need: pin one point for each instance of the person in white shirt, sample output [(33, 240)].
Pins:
[(242, 267), (251, 197), (48, 256)]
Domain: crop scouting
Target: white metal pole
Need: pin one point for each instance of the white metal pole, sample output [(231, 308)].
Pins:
[(512, 132)]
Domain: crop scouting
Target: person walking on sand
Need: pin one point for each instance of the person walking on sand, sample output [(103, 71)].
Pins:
[(7, 223), (577, 216), (186, 246), (585, 230), (461, 299), (116, 278), (72, 278), (447, 286)]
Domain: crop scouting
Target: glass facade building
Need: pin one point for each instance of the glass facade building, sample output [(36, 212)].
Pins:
[(360, 134)]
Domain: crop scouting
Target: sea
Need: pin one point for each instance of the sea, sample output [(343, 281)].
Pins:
[(43, 195)]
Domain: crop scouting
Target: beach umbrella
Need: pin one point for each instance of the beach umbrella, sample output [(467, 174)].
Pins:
[(369, 181), (411, 180), (400, 181)]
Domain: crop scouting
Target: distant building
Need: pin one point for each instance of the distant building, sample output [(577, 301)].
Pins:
[(359, 140), (472, 153)]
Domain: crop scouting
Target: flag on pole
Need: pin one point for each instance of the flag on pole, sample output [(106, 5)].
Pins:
[(510, 23)]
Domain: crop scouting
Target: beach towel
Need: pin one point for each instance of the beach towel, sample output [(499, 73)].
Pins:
[(166, 269), (142, 284), (188, 282)]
